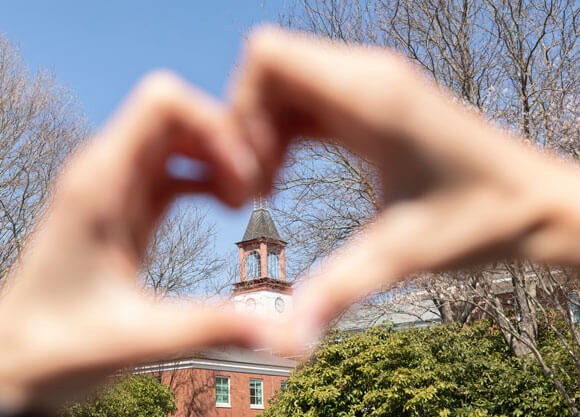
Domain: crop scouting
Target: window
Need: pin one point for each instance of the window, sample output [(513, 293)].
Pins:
[(283, 384), (222, 391), (256, 400), (279, 304), (273, 265), (253, 267)]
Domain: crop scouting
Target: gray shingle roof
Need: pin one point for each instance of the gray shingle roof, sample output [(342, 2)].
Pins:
[(233, 354), (261, 225)]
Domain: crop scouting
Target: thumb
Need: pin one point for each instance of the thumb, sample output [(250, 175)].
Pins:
[(169, 328)]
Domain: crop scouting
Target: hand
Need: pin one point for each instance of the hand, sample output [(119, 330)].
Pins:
[(456, 191), (73, 312)]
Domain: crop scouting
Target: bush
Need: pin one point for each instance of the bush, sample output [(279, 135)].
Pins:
[(131, 396), (437, 371)]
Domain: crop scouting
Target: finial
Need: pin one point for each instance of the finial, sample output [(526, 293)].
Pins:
[(260, 202)]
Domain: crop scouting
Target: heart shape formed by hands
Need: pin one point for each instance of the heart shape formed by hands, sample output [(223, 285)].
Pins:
[(75, 311)]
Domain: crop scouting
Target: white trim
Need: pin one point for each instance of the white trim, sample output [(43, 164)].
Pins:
[(216, 366)]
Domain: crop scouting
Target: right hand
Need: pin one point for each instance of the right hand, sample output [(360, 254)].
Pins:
[(456, 190)]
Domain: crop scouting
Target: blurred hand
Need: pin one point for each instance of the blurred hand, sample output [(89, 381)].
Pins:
[(456, 191), (73, 312)]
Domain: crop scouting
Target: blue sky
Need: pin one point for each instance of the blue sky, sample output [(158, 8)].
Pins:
[(98, 49)]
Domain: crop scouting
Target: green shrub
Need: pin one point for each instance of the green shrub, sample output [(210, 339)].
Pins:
[(443, 371), (131, 396)]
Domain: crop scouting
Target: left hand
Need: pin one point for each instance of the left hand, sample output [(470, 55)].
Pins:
[(73, 311)]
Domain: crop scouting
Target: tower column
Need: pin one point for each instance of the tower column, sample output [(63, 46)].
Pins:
[(242, 264), (263, 259), (283, 264)]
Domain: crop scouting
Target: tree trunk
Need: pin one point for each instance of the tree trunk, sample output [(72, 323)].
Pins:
[(453, 312), (524, 293)]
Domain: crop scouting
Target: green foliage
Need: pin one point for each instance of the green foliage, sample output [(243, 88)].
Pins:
[(440, 371), (131, 396)]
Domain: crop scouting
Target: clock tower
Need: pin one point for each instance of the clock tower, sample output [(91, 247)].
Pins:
[(262, 286)]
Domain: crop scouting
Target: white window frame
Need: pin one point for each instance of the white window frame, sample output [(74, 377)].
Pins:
[(223, 405), (261, 405)]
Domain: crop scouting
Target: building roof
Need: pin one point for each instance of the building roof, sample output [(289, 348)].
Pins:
[(233, 354), (362, 316), (227, 359), (261, 225)]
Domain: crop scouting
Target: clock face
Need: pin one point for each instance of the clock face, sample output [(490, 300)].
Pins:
[(280, 305), (250, 304)]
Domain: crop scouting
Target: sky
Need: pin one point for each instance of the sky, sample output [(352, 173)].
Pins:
[(99, 49)]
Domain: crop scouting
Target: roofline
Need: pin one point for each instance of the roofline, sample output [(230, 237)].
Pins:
[(217, 365), (261, 238), (256, 284)]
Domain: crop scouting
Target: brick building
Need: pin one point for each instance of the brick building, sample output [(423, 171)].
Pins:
[(223, 382), (237, 382)]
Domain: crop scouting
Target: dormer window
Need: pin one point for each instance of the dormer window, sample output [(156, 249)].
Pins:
[(273, 265), (253, 265)]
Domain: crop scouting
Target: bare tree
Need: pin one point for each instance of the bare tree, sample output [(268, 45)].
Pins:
[(328, 195), (182, 258), (517, 63), (534, 294), (40, 125)]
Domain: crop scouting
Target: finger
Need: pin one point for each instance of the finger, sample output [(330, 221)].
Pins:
[(268, 144), (178, 186), (146, 330), (317, 88), (186, 186), (163, 103), (167, 328), (435, 233)]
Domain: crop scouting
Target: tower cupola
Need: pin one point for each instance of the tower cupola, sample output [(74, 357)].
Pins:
[(262, 282)]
